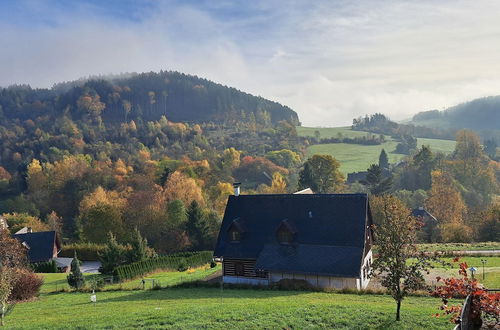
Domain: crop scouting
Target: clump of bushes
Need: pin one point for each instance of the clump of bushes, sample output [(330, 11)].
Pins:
[(45, 267), (115, 254), (26, 285)]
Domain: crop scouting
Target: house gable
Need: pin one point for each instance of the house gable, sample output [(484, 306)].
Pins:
[(42, 246)]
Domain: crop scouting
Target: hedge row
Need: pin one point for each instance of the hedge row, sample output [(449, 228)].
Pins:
[(85, 251), (45, 267), (179, 261)]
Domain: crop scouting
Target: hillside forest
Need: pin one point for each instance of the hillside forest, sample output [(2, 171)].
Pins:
[(159, 152)]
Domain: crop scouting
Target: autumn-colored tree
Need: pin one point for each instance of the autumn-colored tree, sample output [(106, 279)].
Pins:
[(256, 170), (447, 205), (17, 221), (399, 265), (91, 104), (100, 219), (489, 224), (278, 185), (219, 194), (321, 173), (284, 157), (7, 280), (12, 252), (181, 187), (55, 223), (4, 178), (38, 185), (483, 303), (101, 212)]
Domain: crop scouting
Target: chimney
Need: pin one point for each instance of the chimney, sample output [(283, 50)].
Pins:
[(29, 230), (236, 187)]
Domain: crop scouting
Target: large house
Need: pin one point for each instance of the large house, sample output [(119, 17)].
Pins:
[(325, 239)]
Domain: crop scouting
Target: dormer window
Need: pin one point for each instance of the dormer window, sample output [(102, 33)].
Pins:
[(234, 235), (286, 232), (236, 231)]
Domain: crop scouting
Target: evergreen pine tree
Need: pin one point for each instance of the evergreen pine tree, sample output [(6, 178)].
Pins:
[(306, 178), (75, 278), (383, 160), (375, 181), (112, 256), (197, 226), (139, 249)]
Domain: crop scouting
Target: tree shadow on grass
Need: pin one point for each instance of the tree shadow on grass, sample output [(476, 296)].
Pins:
[(201, 293)]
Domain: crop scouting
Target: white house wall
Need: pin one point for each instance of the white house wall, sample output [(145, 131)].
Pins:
[(245, 280), (325, 282), (366, 265)]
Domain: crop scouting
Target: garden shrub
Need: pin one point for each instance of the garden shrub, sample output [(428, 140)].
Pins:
[(45, 267), (26, 285), (183, 266)]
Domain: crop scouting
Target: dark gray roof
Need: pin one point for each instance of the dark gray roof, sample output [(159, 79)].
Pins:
[(41, 244), (340, 261), (327, 221)]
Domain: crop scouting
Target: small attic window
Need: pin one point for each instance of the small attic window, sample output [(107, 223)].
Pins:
[(285, 233), (235, 231), (285, 236), (234, 235)]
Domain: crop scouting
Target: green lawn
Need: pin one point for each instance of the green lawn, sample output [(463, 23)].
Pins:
[(57, 282), (165, 279), (197, 308), (356, 157), (491, 270)]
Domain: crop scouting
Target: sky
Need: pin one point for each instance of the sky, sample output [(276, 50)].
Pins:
[(330, 61)]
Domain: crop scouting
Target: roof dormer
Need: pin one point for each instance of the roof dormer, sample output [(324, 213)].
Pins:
[(236, 231), (286, 232)]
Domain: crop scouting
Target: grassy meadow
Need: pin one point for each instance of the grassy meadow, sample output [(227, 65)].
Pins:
[(127, 306), (355, 157), (211, 308)]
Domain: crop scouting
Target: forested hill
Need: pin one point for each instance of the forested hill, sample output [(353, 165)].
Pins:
[(145, 96), (480, 114)]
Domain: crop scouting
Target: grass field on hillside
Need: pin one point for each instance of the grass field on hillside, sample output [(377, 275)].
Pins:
[(197, 308), (356, 157)]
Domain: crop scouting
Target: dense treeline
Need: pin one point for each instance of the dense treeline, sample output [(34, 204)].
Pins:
[(145, 96), (480, 114), (459, 190), (92, 157), (380, 124)]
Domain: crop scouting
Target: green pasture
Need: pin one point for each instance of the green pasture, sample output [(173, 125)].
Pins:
[(486, 246), (356, 157), (211, 308)]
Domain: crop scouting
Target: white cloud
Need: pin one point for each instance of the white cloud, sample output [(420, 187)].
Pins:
[(329, 61)]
